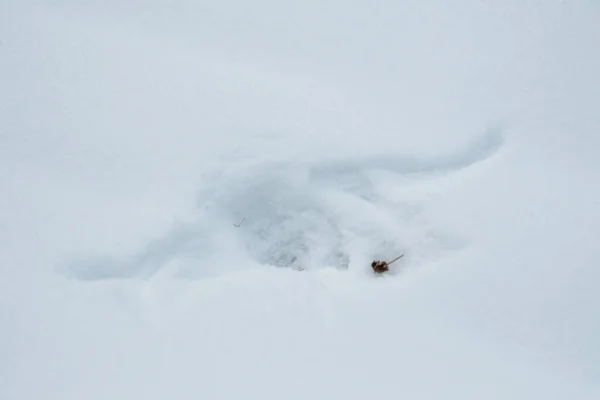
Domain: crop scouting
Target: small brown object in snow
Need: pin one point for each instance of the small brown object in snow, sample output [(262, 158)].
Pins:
[(380, 267)]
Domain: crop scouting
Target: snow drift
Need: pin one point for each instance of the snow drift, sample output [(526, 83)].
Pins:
[(136, 136)]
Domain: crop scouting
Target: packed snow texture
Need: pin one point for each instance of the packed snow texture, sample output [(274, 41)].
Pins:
[(192, 194)]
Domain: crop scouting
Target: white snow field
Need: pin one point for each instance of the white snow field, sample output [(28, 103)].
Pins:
[(135, 135)]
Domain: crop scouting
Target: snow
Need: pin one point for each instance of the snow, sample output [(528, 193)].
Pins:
[(136, 135)]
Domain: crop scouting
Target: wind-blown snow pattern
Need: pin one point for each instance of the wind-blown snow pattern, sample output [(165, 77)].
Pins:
[(191, 195), (305, 216)]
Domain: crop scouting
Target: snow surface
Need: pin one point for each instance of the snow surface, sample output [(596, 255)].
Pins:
[(136, 134)]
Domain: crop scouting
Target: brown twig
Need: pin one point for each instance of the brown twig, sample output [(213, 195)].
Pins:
[(395, 259)]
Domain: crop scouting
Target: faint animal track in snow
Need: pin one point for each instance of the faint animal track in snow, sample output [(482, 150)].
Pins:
[(302, 216)]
